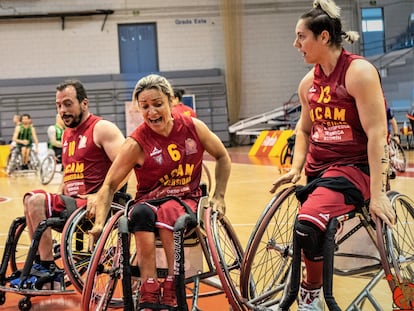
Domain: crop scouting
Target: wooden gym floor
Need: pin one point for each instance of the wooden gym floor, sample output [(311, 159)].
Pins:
[(247, 194)]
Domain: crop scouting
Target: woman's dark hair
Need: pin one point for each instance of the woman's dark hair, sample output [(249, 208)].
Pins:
[(178, 93), (325, 16)]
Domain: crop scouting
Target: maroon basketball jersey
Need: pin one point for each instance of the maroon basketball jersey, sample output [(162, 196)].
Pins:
[(337, 136), (176, 158), (85, 163)]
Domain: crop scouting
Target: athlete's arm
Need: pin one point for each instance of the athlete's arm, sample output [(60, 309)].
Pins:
[(51, 133), (131, 154), (16, 135), (363, 83), (107, 136), (35, 140), (213, 145)]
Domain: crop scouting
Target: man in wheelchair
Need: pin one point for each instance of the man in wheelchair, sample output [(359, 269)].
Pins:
[(90, 144), (341, 139), (24, 137), (166, 153)]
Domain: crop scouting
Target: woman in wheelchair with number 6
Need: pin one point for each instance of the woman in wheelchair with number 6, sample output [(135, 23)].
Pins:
[(341, 139), (166, 153)]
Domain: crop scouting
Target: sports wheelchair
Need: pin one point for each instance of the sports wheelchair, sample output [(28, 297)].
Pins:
[(70, 251), (271, 267), (111, 284), (14, 162)]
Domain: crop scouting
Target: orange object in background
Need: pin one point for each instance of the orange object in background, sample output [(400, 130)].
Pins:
[(270, 144), (4, 153)]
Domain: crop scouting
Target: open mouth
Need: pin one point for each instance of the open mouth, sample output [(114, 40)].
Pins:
[(155, 121)]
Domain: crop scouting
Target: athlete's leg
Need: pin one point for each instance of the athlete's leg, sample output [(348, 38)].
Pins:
[(25, 155), (34, 207)]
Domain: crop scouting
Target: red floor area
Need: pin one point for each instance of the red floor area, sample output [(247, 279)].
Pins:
[(72, 302)]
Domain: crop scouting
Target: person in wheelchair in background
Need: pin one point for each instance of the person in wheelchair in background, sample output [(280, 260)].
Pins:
[(54, 138), (90, 144), (23, 137), (166, 153), (341, 139), (393, 134)]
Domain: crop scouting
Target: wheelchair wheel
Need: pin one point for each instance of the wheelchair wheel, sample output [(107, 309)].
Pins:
[(34, 163), (47, 169), (396, 247), (398, 159), (103, 285), (75, 243), (14, 161), (227, 254), (206, 178), (268, 257), (19, 248), (286, 155), (75, 253), (22, 243)]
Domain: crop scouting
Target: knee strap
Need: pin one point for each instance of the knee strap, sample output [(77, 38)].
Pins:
[(310, 239), (70, 206), (142, 218)]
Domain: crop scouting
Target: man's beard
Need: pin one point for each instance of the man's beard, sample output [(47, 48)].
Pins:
[(75, 121)]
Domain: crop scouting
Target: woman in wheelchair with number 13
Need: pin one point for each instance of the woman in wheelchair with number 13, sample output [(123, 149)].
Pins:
[(166, 153), (341, 139)]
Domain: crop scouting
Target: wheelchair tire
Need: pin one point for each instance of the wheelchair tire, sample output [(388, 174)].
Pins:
[(103, 288), (75, 243), (13, 161), (206, 177), (227, 254), (398, 158), (396, 247), (20, 248), (268, 256), (75, 253), (47, 169)]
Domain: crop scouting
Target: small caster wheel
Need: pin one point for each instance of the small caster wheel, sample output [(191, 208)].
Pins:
[(2, 298), (25, 304)]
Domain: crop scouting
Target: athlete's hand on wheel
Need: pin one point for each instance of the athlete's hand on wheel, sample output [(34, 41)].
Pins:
[(380, 206), (90, 206), (94, 235), (218, 204), (292, 176)]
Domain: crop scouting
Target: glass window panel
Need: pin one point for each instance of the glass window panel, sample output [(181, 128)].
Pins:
[(375, 25), (371, 13)]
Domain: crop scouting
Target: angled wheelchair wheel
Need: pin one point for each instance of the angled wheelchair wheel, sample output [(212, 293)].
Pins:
[(396, 247), (398, 159), (21, 245), (14, 161), (34, 163), (268, 255), (227, 254), (47, 169), (75, 246), (103, 286), (75, 253), (206, 178), (19, 248)]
